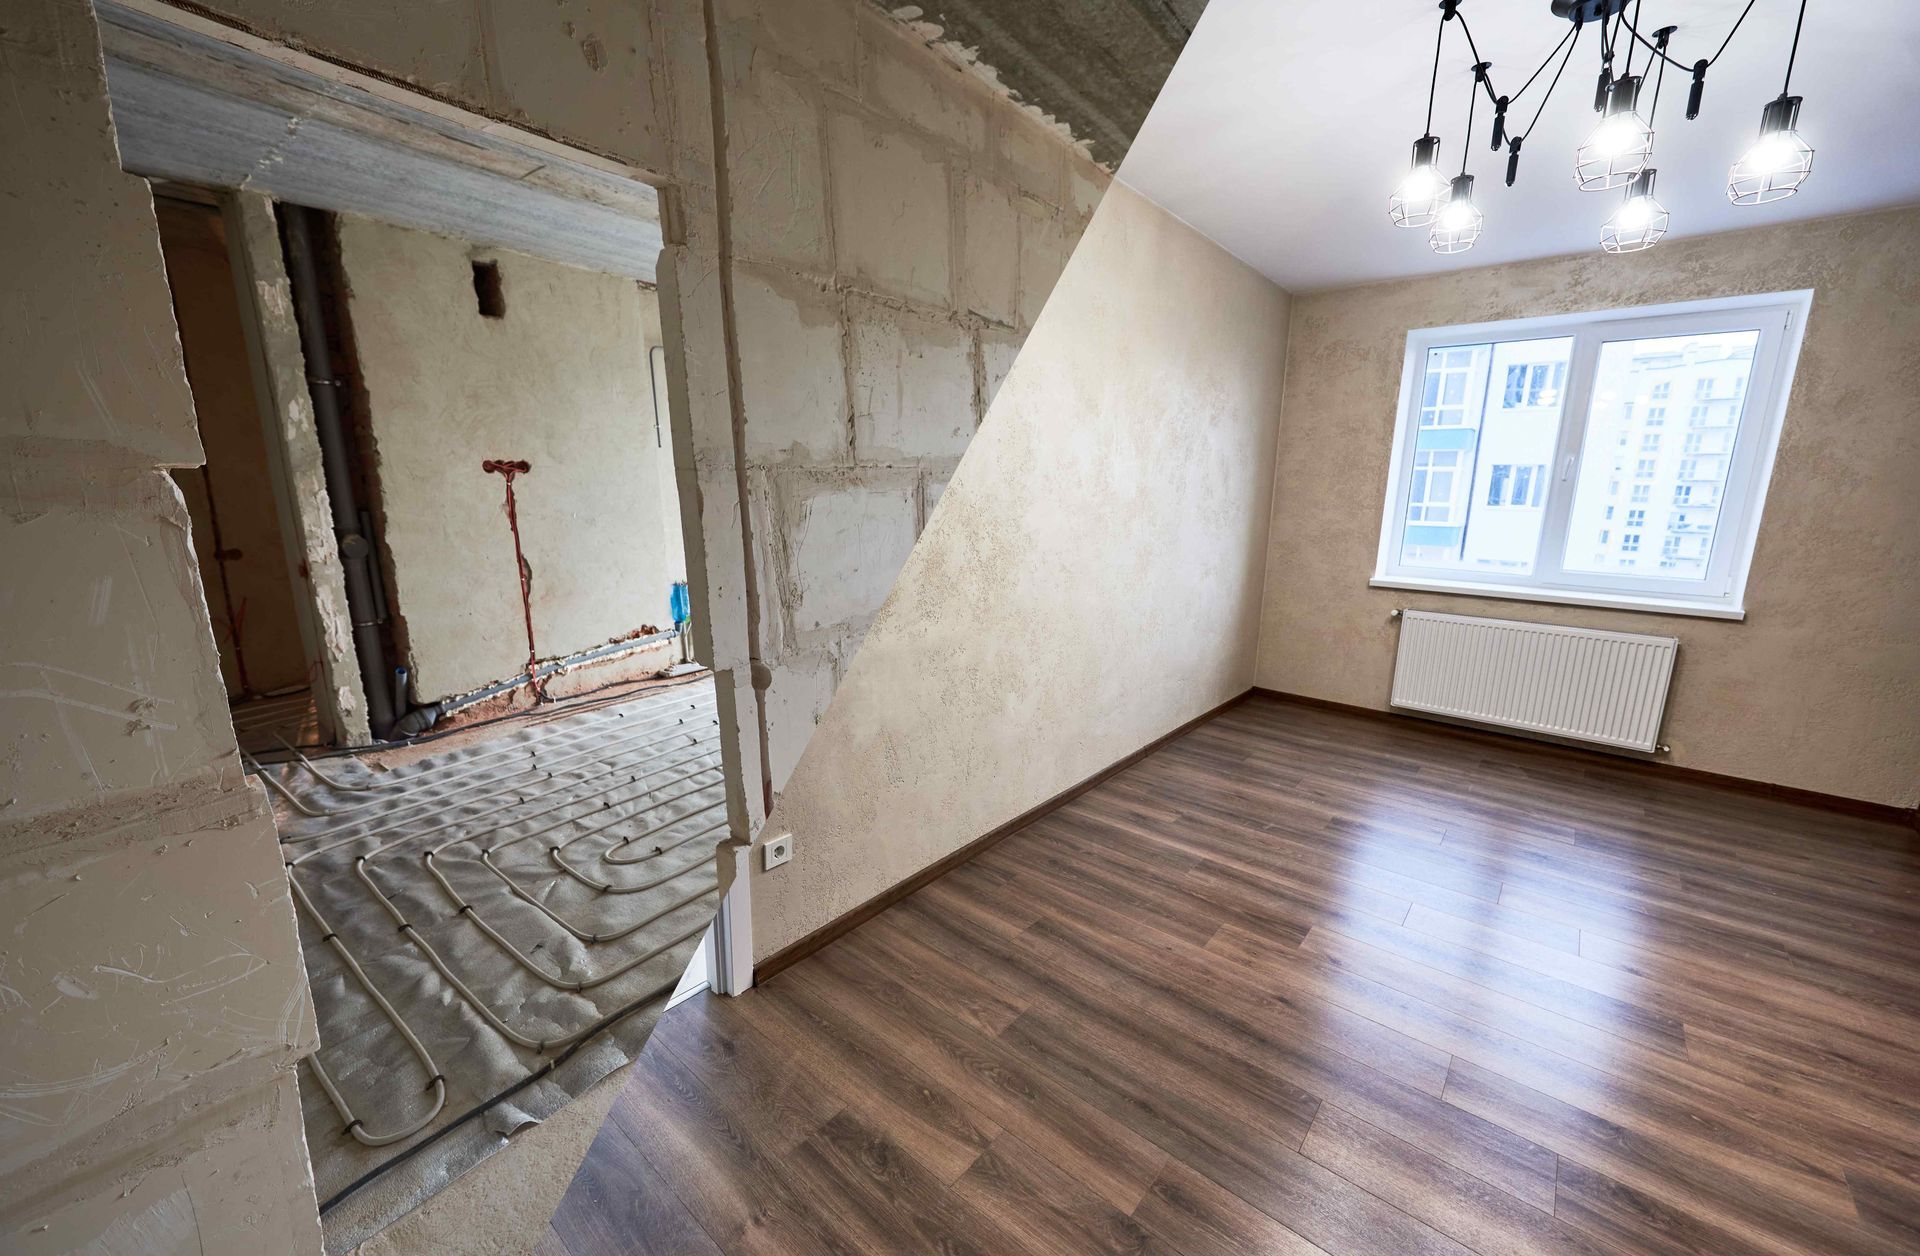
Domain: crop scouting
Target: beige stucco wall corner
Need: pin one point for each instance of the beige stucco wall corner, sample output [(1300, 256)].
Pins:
[(1089, 580)]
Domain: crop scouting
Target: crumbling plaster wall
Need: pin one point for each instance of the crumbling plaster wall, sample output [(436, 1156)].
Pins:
[(1091, 580), (152, 997), (560, 379), (896, 228)]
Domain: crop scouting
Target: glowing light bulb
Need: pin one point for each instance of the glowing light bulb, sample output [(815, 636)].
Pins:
[(1771, 154), (1421, 183), (1423, 191), (1457, 225), (1778, 162), (1616, 135), (1639, 222), (1634, 214), (1618, 147)]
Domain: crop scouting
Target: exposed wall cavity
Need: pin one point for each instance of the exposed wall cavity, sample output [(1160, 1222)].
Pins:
[(1092, 67), (468, 358), (1819, 687), (1090, 581), (896, 228)]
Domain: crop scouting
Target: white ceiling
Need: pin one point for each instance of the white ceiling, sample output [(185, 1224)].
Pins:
[(1285, 125)]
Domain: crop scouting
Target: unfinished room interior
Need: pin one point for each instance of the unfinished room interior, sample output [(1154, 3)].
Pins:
[(1197, 626)]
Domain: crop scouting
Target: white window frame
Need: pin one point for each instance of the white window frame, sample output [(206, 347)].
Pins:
[(1779, 317)]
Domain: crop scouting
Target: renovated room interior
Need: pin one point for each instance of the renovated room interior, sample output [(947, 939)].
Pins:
[(1233, 629)]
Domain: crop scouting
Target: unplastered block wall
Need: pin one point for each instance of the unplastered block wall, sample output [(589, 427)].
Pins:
[(897, 226), (1819, 687), (624, 81), (1090, 581), (152, 998), (871, 194), (561, 379)]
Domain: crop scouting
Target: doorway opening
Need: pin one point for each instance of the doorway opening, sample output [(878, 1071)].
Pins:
[(500, 821), (252, 581)]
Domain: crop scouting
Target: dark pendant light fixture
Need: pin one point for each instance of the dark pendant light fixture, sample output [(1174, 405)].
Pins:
[(1641, 221), (1779, 160), (1422, 194), (1619, 147), (1458, 223), (1619, 151)]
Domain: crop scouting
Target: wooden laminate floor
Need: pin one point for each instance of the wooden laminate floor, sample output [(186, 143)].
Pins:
[(1303, 981)]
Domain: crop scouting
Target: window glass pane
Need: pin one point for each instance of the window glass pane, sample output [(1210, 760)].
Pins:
[(1489, 420), (1680, 485)]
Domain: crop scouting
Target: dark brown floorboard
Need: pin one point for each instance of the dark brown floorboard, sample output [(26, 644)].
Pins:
[(1305, 982)]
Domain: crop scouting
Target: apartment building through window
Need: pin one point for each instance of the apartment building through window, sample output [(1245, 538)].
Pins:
[(1526, 438)]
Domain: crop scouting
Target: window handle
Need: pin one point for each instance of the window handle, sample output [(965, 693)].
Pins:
[(1566, 469)]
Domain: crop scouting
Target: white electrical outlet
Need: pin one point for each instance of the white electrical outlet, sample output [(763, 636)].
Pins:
[(777, 851)]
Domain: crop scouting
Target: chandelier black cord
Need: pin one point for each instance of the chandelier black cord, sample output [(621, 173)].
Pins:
[(1433, 84), (1731, 32), (1550, 86), (1473, 98), (1573, 31), (1486, 81), (1661, 37), (1480, 79), (1793, 52), (1623, 19), (1609, 46)]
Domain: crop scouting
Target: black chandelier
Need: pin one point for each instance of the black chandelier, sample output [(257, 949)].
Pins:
[(1618, 154)]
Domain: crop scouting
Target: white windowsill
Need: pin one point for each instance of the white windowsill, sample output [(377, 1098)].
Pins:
[(1644, 603)]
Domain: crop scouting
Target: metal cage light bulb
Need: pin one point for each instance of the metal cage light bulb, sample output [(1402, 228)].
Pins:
[(1639, 222), (1423, 192), (1618, 148), (1458, 223), (1778, 161)]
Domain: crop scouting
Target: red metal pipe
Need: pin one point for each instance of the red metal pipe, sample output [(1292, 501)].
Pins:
[(507, 469)]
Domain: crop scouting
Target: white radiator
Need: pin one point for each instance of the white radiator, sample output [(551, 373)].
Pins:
[(1604, 687)]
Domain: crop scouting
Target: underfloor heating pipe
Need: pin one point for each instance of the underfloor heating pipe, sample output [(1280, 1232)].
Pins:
[(538, 758), (354, 1126)]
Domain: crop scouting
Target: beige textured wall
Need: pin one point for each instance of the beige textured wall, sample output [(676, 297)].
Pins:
[(562, 381), (1819, 688), (152, 998), (1090, 581)]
